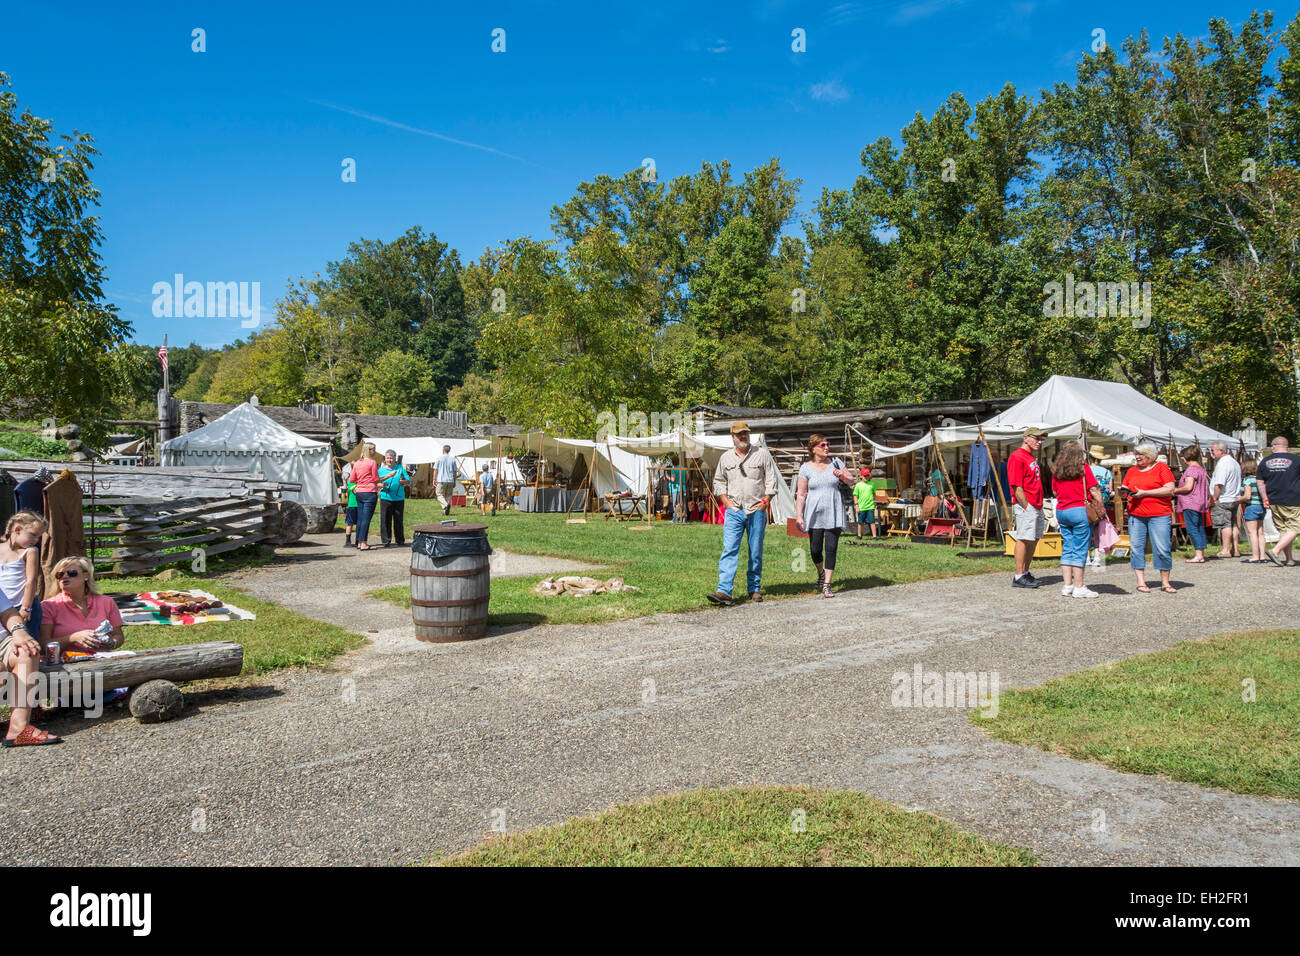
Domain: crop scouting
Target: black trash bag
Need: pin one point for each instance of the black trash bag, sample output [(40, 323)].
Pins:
[(450, 545)]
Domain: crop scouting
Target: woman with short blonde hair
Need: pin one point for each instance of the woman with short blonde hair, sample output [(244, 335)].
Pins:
[(73, 616)]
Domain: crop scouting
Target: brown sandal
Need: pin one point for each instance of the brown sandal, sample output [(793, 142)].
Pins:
[(31, 737)]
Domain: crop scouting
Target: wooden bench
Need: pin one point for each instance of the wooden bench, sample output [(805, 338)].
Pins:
[(153, 673)]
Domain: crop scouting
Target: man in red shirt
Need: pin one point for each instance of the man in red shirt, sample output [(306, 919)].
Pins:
[(1026, 483)]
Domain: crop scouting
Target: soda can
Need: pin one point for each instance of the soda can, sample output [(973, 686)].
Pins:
[(52, 653)]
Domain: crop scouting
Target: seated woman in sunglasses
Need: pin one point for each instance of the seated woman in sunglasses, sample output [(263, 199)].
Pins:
[(72, 616)]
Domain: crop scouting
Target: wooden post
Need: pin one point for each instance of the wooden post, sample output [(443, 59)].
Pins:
[(943, 470), (997, 483)]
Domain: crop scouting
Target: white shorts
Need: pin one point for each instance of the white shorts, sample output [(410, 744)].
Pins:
[(1030, 524)]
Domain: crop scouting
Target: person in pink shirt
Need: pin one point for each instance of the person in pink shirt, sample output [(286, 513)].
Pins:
[(1193, 493), (365, 475), (72, 615)]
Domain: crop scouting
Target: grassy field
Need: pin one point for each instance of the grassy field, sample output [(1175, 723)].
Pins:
[(1178, 712), (23, 440), (278, 638), (750, 826), (674, 565)]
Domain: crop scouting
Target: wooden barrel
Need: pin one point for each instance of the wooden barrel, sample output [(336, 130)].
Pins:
[(450, 581)]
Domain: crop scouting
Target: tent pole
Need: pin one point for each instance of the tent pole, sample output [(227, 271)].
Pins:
[(943, 470), (997, 482)]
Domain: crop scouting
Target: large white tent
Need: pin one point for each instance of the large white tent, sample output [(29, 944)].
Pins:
[(1111, 412), (708, 450), (245, 437)]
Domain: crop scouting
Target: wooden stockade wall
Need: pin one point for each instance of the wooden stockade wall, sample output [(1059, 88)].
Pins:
[(139, 519), (134, 535)]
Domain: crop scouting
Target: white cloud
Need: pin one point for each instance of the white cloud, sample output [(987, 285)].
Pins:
[(832, 91), (719, 46), (925, 8)]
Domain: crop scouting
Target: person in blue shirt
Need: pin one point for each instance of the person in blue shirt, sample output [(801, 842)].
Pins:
[(393, 482), (445, 478), (486, 484), (676, 491)]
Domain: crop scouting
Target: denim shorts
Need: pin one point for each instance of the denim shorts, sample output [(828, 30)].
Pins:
[(350, 516), (867, 517), (1253, 513)]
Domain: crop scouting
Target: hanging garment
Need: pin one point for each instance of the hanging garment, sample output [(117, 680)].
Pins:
[(66, 536), (30, 496), (980, 471), (7, 501)]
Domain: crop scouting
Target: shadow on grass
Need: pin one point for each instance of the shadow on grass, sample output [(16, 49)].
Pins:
[(509, 623)]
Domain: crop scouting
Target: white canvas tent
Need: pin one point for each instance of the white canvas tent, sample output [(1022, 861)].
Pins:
[(246, 438), (423, 451), (1115, 414), (708, 449)]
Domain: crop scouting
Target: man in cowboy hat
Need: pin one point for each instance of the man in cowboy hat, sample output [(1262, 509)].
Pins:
[(744, 482), (1026, 483)]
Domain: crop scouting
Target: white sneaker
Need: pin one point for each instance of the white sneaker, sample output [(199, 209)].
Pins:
[(1085, 592), (1067, 590)]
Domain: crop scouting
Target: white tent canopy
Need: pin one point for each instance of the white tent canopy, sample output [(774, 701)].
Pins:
[(708, 449), (1114, 414), (424, 451), (245, 437)]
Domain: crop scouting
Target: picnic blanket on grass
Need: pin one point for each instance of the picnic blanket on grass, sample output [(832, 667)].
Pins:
[(177, 608)]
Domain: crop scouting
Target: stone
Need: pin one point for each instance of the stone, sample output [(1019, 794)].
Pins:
[(321, 518), (155, 701), (169, 575), (293, 522), (68, 431)]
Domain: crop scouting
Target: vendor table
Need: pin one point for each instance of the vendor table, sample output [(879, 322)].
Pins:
[(624, 507), (549, 499), (905, 517)]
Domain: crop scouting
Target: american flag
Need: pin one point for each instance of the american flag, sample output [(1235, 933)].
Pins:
[(162, 357)]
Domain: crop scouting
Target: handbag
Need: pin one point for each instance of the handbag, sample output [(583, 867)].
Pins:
[(1095, 511), (1107, 535)]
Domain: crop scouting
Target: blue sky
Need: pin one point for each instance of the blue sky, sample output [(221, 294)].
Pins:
[(225, 165)]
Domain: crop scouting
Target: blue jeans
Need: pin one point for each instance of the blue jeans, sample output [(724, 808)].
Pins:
[(1195, 522), (1157, 530), (734, 524), (1076, 536), (365, 511)]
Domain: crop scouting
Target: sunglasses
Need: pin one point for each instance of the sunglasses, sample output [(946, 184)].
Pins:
[(67, 574)]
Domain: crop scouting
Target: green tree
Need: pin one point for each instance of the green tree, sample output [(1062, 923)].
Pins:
[(61, 347), (399, 383)]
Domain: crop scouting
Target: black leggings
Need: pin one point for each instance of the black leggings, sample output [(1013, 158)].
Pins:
[(831, 538)]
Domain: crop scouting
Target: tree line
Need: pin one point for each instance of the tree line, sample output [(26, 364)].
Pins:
[(941, 272)]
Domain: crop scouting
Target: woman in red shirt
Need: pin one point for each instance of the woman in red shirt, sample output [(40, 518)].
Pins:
[(1074, 483), (1149, 486), (365, 475)]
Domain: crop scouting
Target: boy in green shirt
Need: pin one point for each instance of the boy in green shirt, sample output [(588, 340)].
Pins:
[(865, 493)]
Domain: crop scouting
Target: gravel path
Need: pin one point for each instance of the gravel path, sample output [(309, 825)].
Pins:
[(322, 579), (411, 749)]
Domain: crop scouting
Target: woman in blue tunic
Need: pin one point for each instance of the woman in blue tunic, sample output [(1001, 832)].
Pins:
[(819, 507)]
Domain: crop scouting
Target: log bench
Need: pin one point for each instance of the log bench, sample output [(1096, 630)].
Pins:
[(153, 673)]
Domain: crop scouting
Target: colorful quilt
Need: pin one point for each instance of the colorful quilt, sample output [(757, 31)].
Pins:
[(177, 608)]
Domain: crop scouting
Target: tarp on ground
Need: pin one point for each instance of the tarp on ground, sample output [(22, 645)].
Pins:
[(1116, 415), (245, 437), (708, 450)]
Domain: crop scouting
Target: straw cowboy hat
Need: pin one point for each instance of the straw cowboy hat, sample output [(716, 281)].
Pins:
[(1096, 451)]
